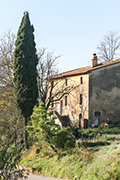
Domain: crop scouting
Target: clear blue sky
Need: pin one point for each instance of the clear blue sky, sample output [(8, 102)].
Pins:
[(71, 28)]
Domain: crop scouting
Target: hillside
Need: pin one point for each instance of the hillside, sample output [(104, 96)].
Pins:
[(96, 157)]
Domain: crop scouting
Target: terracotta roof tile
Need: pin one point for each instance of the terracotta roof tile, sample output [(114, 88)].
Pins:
[(84, 70)]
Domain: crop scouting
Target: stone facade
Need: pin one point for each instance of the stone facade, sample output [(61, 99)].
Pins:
[(73, 107), (96, 94), (104, 93)]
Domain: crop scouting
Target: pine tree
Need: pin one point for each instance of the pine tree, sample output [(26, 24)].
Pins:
[(24, 70)]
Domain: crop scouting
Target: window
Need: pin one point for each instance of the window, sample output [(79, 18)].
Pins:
[(97, 113), (80, 116), (81, 80), (81, 99), (66, 82), (65, 100), (52, 102)]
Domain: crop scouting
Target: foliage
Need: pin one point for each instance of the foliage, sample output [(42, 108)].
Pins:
[(82, 134), (9, 160), (24, 68), (102, 129), (45, 129), (65, 167), (11, 122), (96, 162), (25, 71)]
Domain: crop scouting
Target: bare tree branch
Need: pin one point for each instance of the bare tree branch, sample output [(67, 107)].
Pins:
[(109, 47), (47, 67), (58, 90), (7, 41)]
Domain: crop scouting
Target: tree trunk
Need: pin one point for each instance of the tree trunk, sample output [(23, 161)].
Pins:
[(25, 134)]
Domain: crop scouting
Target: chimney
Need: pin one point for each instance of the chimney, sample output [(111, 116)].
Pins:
[(94, 61)]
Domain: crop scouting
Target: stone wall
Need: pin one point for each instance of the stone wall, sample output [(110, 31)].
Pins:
[(104, 93), (73, 108)]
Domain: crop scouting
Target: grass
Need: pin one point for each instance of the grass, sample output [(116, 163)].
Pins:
[(96, 158), (105, 161)]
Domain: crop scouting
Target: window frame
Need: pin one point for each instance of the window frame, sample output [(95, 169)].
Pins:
[(53, 102), (81, 99), (66, 82), (81, 80), (66, 100), (97, 113)]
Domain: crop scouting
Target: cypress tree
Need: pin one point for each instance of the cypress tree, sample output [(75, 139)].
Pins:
[(24, 70)]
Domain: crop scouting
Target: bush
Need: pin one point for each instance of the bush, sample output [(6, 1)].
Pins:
[(44, 129), (9, 159), (82, 134)]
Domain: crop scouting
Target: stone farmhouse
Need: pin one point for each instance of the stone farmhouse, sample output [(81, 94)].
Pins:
[(96, 96)]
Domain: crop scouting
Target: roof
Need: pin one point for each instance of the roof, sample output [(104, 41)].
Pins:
[(84, 70)]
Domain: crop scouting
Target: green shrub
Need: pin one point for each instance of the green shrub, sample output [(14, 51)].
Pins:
[(44, 129), (9, 160)]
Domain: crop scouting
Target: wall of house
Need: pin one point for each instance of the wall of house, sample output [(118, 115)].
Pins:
[(104, 94), (73, 108), (74, 98)]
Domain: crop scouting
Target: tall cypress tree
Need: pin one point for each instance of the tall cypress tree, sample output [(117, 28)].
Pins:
[(24, 70)]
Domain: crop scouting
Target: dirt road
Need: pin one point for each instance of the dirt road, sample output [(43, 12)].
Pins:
[(38, 177)]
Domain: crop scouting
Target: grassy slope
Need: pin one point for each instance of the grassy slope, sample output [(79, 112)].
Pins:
[(105, 165), (96, 162)]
